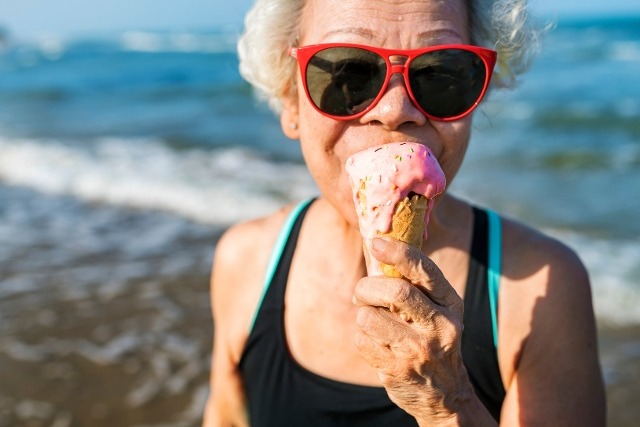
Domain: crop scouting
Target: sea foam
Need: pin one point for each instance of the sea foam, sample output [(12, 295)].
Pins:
[(218, 186)]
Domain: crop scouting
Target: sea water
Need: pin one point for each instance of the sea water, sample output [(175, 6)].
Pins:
[(163, 121), (123, 156)]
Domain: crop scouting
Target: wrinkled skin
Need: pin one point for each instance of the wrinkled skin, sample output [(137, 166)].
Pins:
[(410, 331)]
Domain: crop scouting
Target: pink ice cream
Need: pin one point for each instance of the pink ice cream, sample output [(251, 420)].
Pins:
[(384, 175)]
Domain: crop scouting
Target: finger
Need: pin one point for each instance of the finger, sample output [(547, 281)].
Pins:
[(381, 325), (379, 291), (369, 339), (396, 295), (372, 351), (404, 301), (417, 268), (389, 344), (382, 338)]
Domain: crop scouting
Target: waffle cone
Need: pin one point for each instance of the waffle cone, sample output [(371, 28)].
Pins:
[(407, 226)]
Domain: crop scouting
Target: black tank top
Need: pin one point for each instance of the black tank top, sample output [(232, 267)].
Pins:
[(280, 392)]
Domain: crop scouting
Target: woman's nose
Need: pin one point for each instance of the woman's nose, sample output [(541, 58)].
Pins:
[(395, 108)]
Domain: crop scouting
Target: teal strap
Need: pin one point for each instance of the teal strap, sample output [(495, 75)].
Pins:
[(494, 269), (276, 254)]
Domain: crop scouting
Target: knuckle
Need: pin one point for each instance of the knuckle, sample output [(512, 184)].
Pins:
[(425, 272), (359, 288), (442, 341), (386, 379), (402, 291), (419, 267), (449, 328), (427, 267), (360, 340), (451, 333), (407, 252), (363, 318), (457, 304)]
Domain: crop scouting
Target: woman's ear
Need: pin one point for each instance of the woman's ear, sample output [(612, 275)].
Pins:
[(289, 117)]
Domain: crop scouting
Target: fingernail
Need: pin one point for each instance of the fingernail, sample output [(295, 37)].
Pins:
[(379, 244)]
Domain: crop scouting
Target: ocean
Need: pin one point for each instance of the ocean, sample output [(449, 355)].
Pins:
[(124, 156)]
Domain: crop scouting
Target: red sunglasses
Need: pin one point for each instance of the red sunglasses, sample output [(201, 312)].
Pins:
[(345, 81)]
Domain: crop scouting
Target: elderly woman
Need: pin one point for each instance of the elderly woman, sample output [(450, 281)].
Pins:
[(492, 322)]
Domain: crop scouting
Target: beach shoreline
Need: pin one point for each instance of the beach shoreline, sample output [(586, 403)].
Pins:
[(620, 361), (140, 357), (137, 358)]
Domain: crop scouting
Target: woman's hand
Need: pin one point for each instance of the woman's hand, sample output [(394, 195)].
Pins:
[(410, 331)]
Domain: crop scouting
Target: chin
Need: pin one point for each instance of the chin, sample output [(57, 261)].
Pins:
[(345, 208)]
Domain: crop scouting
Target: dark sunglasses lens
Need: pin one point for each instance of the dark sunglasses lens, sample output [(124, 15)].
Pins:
[(447, 83), (343, 81)]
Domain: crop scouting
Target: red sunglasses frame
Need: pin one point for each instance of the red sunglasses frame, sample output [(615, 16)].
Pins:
[(304, 54)]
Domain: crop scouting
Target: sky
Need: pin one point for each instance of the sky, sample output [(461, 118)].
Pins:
[(35, 18)]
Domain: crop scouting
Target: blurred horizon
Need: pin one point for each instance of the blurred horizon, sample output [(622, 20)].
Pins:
[(75, 18)]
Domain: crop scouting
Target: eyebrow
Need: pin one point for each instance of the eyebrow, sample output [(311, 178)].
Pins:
[(359, 31), (426, 37)]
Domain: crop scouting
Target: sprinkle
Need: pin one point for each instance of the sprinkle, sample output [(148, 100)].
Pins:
[(379, 178), (388, 202), (395, 168), (398, 157), (411, 149), (377, 149), (404, 143)]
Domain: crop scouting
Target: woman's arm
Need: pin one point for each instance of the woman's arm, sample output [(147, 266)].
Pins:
[(239, 266), (226, 404), (548, 336)]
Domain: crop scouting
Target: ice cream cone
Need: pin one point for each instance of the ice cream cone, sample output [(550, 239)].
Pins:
[(393, 185), (407, 226)]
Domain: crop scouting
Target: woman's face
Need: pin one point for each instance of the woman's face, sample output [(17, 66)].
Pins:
[(327, 143)]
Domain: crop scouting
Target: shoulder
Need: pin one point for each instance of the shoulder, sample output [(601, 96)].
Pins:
[(239, 266), (541, 276), (244, 249), (247, 239), (539, 259)]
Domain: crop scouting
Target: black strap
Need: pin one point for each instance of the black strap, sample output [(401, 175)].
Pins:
[(478, 350)]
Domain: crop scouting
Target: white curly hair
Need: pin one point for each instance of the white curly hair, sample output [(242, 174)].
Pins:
[(272, 26)]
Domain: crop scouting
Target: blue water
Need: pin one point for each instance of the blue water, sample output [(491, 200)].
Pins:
[(163, 122)]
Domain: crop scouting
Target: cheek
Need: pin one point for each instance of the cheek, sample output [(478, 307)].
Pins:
[(455, 141), (324, 157), (325, 149)]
